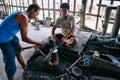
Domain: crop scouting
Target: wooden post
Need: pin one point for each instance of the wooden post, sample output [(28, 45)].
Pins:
[(116, 24), (16, 4), (11, 1), (28, 2), (4, 4), (98, 13), (91, 6), (61, 1), (34, 1), (19, 5), (68, 1), (112, 1), (105, 24), (107, 16), (48, 8), (60, 4), (54, 16), (43, 10), (84, 2), (74, 7)]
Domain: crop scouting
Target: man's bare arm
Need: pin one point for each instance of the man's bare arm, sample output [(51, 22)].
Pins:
[(53, 31), (24, 29), (72, 30)]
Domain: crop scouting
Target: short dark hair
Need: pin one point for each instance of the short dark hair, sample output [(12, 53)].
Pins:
[(36, 7), (65, 5)]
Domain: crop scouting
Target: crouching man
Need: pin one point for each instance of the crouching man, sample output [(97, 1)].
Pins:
[(67, 24)]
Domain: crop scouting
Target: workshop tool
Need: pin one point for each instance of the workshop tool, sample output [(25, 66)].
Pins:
[(53, 47), (73, 71), (36, 48), (40, 51), (74, 64), (54, 59), (28, 47)]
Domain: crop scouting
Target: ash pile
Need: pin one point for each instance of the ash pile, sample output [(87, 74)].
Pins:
[(99, 60)]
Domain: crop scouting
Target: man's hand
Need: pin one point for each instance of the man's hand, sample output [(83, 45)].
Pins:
[(64, 40), (69, 42), (40, 44)]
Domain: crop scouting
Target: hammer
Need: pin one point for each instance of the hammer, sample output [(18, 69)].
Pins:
[(36, 47)]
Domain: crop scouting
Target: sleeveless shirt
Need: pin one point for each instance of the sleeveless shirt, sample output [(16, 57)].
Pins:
[(9, 27)]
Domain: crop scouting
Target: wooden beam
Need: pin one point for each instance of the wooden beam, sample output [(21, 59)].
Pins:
[(84, 2), (91, 5), (98, 13), (116, 24), (54, 10), (34, 1), (107, 16), (48, 8), (74, 7), (43, 10)]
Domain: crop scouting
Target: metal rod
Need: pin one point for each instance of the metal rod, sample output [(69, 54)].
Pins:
[(40, 51), (73, 63), (35, 48), (28, 47)]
